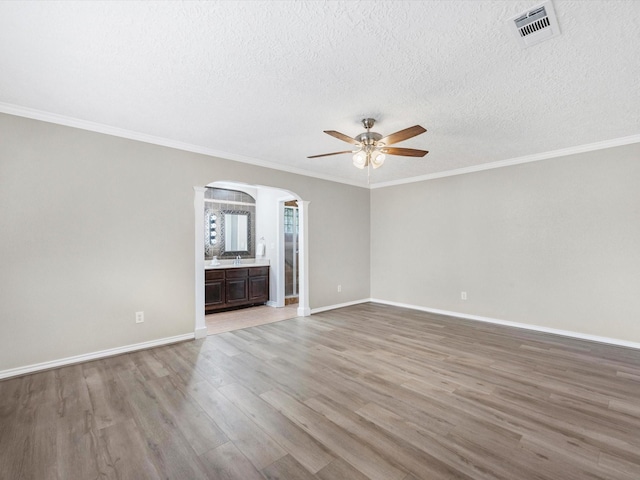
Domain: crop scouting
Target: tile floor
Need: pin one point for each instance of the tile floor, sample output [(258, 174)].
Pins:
[(248, 317)]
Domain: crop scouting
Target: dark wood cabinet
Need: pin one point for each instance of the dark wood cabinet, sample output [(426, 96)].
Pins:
[(228, 288), (214, 289), (237, 286), (258, 288)]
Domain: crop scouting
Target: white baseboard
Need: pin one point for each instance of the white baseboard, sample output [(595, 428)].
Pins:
[(201, 333), (14, 372), (339, 305), (36, 367), (526, 326), (272, 304)]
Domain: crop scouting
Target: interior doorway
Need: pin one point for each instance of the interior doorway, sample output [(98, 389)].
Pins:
[(272, 209)]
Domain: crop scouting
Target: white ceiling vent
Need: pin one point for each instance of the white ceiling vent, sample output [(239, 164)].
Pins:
[(535, 25)]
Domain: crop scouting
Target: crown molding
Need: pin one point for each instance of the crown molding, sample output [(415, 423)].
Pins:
[(563, 152), (164, 142)]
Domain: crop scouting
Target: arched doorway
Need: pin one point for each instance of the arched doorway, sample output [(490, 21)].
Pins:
[(273, 198)]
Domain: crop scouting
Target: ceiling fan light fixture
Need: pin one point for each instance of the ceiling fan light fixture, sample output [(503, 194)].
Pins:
[(377, 159), (360, 160)]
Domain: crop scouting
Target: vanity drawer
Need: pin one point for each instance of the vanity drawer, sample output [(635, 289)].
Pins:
[(213, 275), (237, 272), (258, 271)]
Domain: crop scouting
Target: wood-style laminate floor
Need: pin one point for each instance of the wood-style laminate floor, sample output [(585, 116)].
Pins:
[(368, 391)]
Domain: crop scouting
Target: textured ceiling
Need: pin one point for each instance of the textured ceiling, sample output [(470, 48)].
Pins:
[(262, 80)]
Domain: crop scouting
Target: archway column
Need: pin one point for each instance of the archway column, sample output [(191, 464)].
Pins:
[(198, 204), (303, 247)]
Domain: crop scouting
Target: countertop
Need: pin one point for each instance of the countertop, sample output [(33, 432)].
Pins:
[(207, 266)]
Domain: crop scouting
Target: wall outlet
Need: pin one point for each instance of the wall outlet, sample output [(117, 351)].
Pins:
[(339, 288), (463, 295), (139, 317)]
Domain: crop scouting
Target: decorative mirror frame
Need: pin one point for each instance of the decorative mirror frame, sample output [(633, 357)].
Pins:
[(232, 253)]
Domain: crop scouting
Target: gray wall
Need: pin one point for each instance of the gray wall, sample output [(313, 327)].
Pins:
[(554, 243), (86, 239)]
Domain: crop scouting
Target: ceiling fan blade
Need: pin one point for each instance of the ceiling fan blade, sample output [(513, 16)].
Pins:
[(328, 154), (402, 135), (342, 136), (405, 152)]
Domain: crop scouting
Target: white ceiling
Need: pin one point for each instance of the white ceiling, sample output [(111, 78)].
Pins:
[(262, 80)]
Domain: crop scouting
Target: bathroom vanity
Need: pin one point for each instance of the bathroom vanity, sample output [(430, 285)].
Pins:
[(232, 286)]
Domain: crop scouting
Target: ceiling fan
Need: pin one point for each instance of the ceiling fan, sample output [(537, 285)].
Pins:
[(371, 147)]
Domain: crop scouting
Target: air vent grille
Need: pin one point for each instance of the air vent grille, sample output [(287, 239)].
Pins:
[(536, 25)]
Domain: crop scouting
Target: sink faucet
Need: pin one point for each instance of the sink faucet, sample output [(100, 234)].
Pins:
[(238, 260)]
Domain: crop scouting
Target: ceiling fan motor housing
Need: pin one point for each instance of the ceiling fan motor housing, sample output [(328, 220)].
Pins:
[(368, 138)]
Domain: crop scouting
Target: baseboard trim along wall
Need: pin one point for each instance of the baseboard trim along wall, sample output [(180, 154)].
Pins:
[(15, 372), (526, 326), (201, 333), (339, 305)]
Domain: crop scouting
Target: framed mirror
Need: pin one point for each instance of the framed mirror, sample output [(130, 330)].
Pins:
[(235, 233)]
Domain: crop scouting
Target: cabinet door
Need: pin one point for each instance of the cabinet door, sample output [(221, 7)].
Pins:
[(259, 289), (213, 294), (237, 291)]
